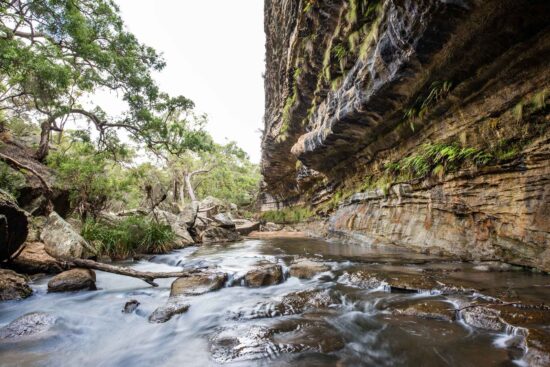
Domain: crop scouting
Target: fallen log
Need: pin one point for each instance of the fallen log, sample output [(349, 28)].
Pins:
[(146, 276)]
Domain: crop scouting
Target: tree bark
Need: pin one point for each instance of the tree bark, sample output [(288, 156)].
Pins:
[(188, 182), (146, 276), (44, 145)]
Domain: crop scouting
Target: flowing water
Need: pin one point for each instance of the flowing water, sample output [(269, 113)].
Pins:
[(241, 326)]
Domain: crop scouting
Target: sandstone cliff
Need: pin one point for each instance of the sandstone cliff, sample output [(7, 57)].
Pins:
[(421, 123)]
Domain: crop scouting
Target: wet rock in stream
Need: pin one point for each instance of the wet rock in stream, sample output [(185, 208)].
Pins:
[(428, 309), (248, 342), (197, 284), (263, 275), (164, 313), (290, 304), (307, 269), (130, 306), (27, 325), (73, 280)]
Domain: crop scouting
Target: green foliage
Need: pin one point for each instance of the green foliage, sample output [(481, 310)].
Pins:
[(10, 180), (438, 90), (55, 53), (287, 215), (437, 158), (128, 237), (93, 177)]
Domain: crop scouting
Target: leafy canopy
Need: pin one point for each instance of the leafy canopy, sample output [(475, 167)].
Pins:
[(55, 52)]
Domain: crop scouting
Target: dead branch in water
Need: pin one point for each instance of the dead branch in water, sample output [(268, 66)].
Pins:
[(146, 276)]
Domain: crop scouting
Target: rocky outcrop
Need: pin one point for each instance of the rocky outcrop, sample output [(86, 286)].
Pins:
[(13, 286), (62, 241), (359, 94), (178, 223), (73, 280)]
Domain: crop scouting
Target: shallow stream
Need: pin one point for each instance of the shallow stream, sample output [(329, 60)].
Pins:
[(242, 326)]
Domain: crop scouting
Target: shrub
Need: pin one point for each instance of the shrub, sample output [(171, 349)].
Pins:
[(128, 237), (287, 215)]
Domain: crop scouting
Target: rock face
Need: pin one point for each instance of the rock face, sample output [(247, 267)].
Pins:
[(13, 286), (27, 325), (73, 280), (358, 92), (62, 241)]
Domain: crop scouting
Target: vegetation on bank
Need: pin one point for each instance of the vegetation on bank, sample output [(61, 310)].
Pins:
[(287, 215), (130, 236)]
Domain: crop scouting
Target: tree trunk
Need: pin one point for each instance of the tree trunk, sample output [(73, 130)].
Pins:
[(44, 145), (13, 226), (190, 189)]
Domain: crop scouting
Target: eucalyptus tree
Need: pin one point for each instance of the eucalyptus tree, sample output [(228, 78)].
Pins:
[(54, 53)]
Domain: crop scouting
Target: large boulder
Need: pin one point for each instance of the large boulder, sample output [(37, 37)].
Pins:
[(13, 286), (178, 225), (13, 226), (34, 259), (73, 280), (62, 241), (27, 325), (219, 235), (264, 274), (224, 220), (197, 284)]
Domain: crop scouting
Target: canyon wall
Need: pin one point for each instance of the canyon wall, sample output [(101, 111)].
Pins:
[(418, 123)]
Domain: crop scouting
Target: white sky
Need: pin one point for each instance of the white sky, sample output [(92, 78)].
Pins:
[(214, 51)]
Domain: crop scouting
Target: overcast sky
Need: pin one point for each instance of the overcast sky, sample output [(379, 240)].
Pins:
[(214, 51)]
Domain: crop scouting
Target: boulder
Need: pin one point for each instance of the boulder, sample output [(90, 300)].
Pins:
[(219, 235), (130, 306), (306, 269), (179, 227), (188, 213), (34, 259), (14, 224), (263, 275), (62, 241), (27, 325), (13, 286), (174, 306), (245, 227), (73, 280), (210, 206), (197, 284), (223, 220)]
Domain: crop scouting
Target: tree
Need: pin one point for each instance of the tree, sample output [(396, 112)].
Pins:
[(55, 52)]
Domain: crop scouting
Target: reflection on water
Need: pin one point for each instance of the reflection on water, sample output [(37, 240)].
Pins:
[(356, 330)]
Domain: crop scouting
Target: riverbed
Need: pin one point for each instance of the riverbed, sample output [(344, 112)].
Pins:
[(354, 323)]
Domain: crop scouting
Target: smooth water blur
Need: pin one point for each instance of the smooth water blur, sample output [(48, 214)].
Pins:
[(92, 330)]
